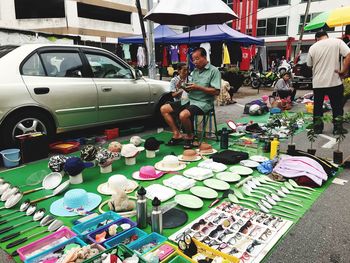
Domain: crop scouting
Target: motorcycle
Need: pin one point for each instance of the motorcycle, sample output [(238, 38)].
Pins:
[(248, 77), (285, 67), (266, 79)]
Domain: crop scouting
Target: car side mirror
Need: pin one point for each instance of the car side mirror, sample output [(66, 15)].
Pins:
[(138, 74)]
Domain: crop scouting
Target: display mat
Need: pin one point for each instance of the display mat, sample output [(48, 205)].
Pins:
[(93, 177)]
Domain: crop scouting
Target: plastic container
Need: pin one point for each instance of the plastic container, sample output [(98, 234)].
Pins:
[(91, 236), (112, 133), (85, 228), (44, 253), (120, 238), (152, 238), (178, 259), (274, 150), (164, 258), (64, 147), (65, 233), (121, 251), (11, 157)]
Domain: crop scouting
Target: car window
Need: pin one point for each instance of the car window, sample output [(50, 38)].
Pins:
[(33, 66), (104, 67), (62, 64)]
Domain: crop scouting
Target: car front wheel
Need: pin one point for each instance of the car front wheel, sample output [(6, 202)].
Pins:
[(24, 123)]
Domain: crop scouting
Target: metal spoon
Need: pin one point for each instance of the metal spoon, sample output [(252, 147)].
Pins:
[(44, 222), (290, 187), (277, 213), (56, 224), (4, 187), (36, 217), (61, 188), (293, 183), (235, 200), (24, 206), (31, 209), (277, 199), (10, 191), (12, 201)]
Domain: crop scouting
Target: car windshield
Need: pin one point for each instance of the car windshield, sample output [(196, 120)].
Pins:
[(6, 49)]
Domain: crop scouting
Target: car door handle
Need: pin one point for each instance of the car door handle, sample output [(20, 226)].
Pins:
[(40, 91), (106, 89)]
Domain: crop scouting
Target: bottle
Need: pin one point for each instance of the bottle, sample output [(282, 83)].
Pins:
[(141, 208), (275, 148), (224, 139), (157, 217)]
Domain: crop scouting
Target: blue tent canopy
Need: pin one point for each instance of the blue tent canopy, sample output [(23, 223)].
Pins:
[(160, 32), (210, 33)]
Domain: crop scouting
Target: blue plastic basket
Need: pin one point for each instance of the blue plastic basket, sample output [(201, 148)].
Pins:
[(41, 255), (119, 239), (87, 227), (152, 238)]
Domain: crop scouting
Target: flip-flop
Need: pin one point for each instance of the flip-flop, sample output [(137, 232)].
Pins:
[(174, 141), (188, 144)]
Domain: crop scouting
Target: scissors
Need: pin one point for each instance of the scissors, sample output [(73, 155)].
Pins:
[(187, 245)]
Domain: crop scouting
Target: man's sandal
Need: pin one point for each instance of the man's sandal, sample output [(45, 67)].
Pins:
[(175, 141)]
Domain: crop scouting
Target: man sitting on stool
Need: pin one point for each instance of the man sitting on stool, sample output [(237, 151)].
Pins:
[(202, 89)]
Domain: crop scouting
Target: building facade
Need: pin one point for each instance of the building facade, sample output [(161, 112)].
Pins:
[(279, 22), (94, 20)]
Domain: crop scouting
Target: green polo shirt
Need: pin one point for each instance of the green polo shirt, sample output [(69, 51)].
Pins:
[(209, 76)]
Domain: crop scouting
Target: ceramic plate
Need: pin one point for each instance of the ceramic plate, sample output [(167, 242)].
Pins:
[(198, 157), (199, 152), (229, 177), (241, 170), (204, 192), (249, 163), (216, 184), (159, 166), (258, 158), (189, 201)]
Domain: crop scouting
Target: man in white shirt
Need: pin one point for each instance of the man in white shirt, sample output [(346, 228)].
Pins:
[(323, 57)]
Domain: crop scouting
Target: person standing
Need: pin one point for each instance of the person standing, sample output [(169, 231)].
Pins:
[(205, 85), (323, 57)]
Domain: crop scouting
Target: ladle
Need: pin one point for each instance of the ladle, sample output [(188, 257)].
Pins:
[(24, 206), (36, 217), (56, 224), (235, 200), (239, 195), (254, 186), (277, 206), (286, 191), (4, 187), (290, 187), (268, 211), (51, 181), (31, 210), (258, 183), (44, 222), (283, 195), (293, 183), (10, 191), (246, 188), (12, 201), (267, 180), (61, 188), (276, 198)]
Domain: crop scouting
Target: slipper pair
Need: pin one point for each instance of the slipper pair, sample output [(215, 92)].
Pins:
[(174, 141)]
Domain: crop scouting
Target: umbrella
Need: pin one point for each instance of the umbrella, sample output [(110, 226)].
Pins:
[(191, 12), (337, 17)]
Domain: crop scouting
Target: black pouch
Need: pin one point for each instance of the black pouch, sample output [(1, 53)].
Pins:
[(229, 157)]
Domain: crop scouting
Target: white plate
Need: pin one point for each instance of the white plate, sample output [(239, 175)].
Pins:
[(216, 184), (199, 152), (198, 157), (241, 170), (189, 201), (258, 158), (229, 177), (204, 192), (249, 163)]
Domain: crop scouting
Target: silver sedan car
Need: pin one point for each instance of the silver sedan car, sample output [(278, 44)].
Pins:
[(55, 88)]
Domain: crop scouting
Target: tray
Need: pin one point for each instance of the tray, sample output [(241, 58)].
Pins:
[(85, 228), (64, 147), (91, 236), (153, 237), (120, 238), (27, 251)]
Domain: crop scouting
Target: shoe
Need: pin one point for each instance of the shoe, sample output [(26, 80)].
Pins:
[(188, 144), (339, 131), (174, 141)]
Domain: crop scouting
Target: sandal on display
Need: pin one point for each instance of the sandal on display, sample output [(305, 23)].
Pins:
[(188, 144), (174, 141)]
